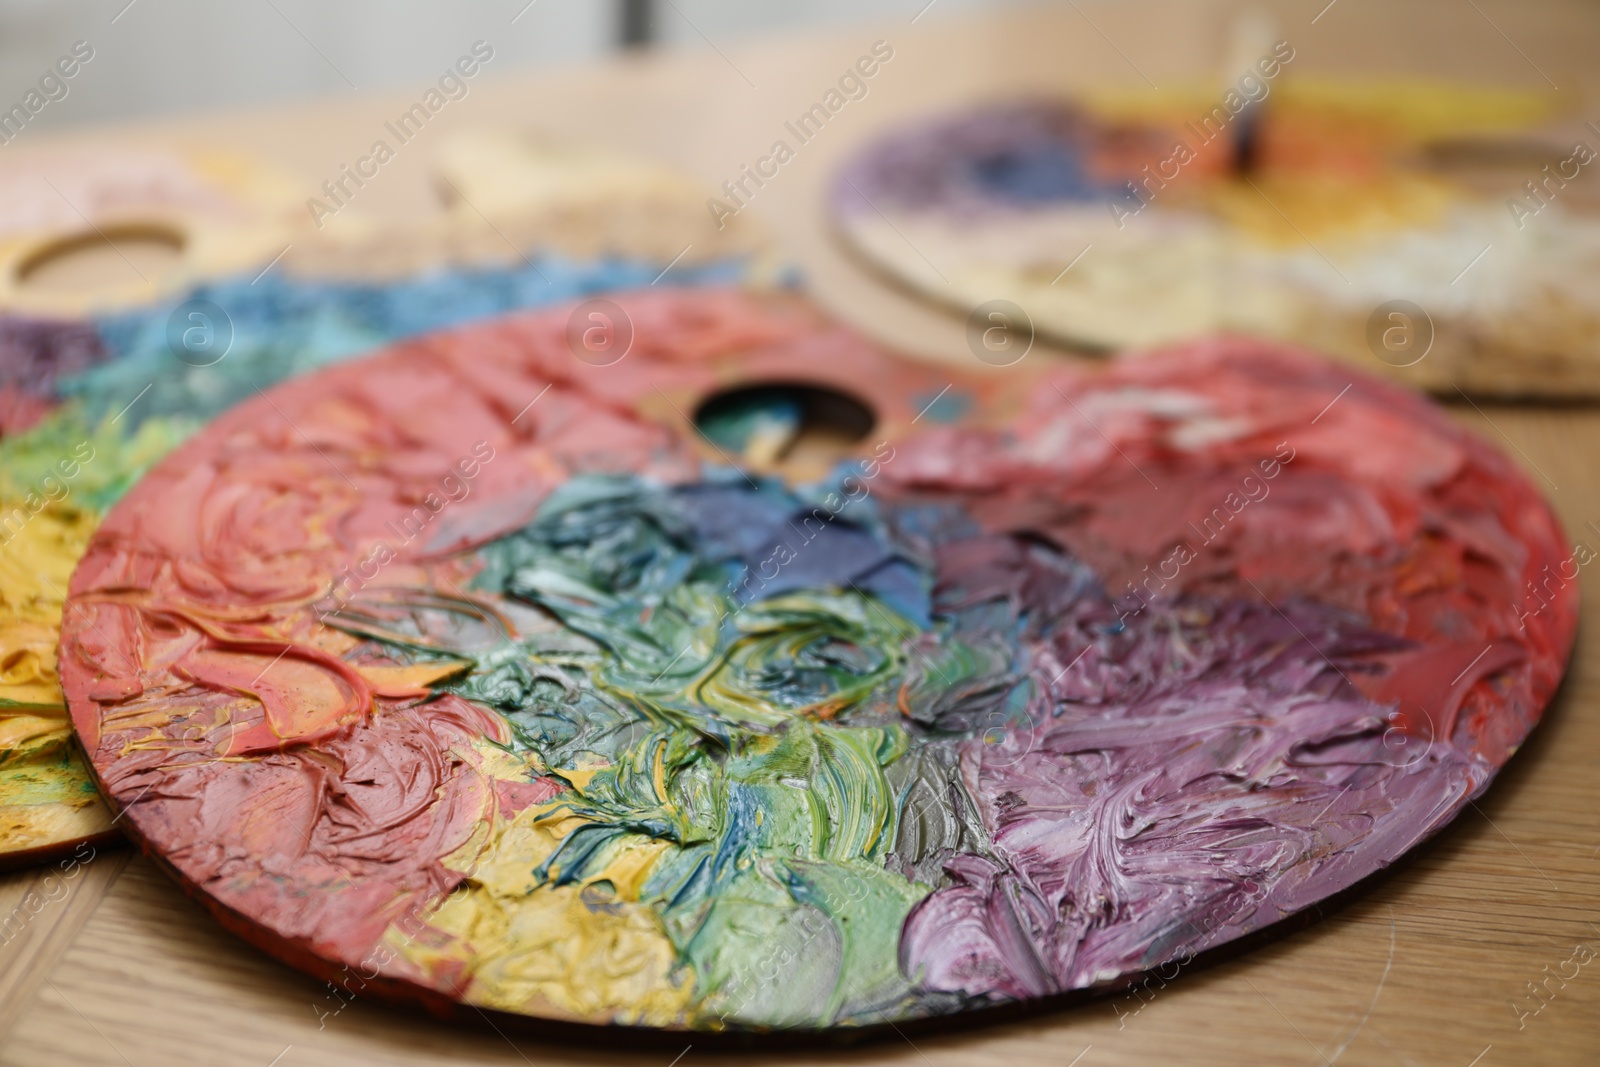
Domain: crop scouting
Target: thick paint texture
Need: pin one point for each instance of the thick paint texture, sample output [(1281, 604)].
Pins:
[(724, 759), (549, 710), (87, 406)]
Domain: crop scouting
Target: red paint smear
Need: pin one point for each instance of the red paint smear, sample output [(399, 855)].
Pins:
[(20, 410), (516, 797), (1386, 508), (1428, 686)]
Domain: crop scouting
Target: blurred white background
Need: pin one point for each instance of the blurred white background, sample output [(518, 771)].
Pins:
[(163, 57)]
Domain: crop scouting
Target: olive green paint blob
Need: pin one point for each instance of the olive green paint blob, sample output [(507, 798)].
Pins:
[(794, 942)]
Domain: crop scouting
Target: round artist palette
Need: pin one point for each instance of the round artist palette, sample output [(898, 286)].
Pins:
[(1123, 222), (217, 214), (468, 674)]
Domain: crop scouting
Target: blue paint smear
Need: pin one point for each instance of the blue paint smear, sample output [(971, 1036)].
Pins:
[(283, 327)]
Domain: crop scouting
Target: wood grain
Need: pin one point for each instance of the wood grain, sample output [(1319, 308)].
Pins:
[(1426, 966), (42, 911)]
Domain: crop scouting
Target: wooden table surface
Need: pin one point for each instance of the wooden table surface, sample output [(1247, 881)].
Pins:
[(1432, 965)]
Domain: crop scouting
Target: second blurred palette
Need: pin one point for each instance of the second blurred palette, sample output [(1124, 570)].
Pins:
[(1435, 231)]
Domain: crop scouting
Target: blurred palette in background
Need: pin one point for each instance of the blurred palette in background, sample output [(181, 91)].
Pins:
[(506, 191), (104, 371), (1382, 221)]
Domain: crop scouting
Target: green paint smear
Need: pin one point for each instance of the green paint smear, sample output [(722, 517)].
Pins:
[(44, 771), (760, 742), (48, 458)]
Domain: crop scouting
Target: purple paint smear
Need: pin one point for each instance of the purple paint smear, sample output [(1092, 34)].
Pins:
[(1006, 157), (1210, 771), (34, 355)]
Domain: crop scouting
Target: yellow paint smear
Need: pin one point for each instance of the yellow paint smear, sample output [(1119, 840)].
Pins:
[(413, 680), (579, 777), (1409, 110), (589, 951), (1287, 210), (36, 563)]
